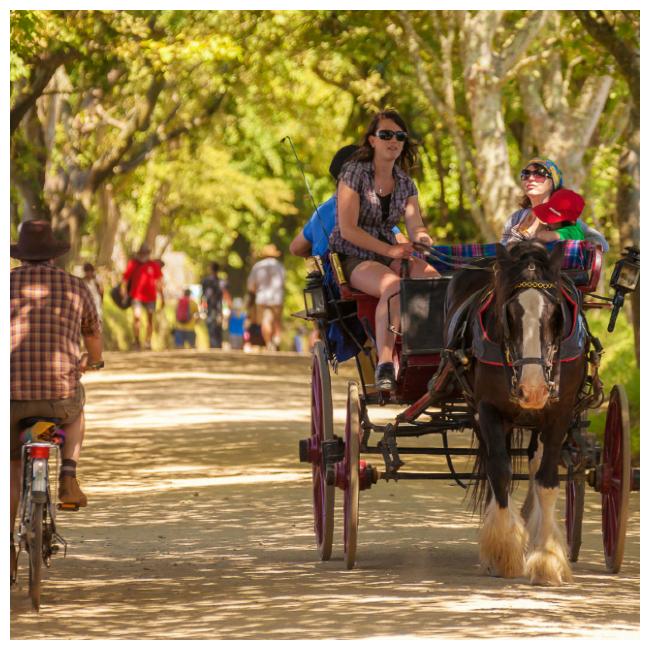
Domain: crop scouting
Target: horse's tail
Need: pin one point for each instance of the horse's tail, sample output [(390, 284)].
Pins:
[(479, 493)]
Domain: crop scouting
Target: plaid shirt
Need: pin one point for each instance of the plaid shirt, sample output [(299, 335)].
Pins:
[(360, 176), (50, 310)]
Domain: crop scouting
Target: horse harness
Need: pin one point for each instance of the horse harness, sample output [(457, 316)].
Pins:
[(548, 361), (568, 347)]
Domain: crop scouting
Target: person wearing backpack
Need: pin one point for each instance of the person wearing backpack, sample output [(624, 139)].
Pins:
[(187, 312)]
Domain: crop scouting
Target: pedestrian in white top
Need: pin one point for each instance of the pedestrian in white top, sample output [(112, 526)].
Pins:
[(266, 283)]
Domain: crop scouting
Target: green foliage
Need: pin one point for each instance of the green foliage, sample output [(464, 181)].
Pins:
[(618, 366), (230, 85)]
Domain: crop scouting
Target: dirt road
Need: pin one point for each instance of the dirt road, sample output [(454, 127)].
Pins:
[(199, 526)]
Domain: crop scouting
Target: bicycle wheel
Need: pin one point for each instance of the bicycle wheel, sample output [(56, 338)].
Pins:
[(35, 549)]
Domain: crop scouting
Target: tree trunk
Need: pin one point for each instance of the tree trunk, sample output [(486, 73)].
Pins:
[(158, 211), (628, 213), (442, 172), (485, 73), (106, 231), (28, 164), (237, 277)]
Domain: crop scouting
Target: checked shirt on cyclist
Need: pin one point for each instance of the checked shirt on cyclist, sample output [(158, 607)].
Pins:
[(51, 311)]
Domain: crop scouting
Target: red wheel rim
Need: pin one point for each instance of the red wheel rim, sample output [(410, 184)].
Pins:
[(321, 430), (351, 488), (317, 470), (616, 478)]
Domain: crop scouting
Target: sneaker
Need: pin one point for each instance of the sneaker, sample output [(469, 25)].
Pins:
[(70, 492), (385, 377), (135, 346)]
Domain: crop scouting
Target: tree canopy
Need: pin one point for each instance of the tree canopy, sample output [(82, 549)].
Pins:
[(167, 125)]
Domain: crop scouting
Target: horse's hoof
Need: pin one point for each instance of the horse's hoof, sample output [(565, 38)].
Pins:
[(548, 569)]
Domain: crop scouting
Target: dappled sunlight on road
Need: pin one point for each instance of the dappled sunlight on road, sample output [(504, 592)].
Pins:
[(200, 526)]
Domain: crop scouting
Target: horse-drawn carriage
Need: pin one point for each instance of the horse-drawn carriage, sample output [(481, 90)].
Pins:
[(462, 336)]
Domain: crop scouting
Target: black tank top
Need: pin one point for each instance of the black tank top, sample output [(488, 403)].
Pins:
[(385, 205)]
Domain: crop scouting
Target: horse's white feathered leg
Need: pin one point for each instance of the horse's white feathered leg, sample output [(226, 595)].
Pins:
[(502, 542), (547, 562)]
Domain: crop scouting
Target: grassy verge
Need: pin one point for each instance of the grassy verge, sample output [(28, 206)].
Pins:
[(618, 366)]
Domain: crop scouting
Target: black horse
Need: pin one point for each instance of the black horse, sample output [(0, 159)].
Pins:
[(527, 366)]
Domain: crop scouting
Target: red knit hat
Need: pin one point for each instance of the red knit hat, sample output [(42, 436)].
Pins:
[(564, 205)]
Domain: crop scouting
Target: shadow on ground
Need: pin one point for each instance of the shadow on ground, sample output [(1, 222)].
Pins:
[(199, 526)]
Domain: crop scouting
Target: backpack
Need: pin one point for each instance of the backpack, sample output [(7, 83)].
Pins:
[(183, 313)]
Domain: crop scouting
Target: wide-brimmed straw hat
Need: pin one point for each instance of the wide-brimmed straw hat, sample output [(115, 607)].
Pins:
[(270, 250), (36, 242)]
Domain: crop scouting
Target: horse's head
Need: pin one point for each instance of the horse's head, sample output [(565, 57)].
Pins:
[(528, 300)]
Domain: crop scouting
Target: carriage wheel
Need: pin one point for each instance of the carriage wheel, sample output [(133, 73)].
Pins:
[(575, 507), (351, 499), (322, 429), (616, 469)]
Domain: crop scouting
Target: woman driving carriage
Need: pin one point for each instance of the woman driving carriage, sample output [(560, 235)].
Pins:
[(374, 192)]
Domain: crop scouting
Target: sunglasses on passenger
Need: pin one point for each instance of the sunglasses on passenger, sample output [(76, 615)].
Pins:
[(388, 134), (537, 175)]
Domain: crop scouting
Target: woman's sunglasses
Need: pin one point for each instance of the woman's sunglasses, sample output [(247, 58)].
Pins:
[(537, 175), (387, 134)]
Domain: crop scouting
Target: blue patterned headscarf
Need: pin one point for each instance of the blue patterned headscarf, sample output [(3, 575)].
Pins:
[(551, 168)]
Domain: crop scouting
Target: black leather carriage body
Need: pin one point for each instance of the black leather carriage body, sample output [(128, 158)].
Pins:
[(422, 303)]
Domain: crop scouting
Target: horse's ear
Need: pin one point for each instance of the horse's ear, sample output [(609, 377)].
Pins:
[(556, 258), (503, 257)]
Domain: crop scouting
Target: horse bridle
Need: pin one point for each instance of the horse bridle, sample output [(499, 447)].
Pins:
[(548, 361)]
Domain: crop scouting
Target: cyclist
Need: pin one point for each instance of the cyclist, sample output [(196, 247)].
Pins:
[(50, 311)]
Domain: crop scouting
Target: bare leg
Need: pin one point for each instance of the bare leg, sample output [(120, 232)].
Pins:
[(380, 281), (74, 437), (136, 325), (277, 329), (149, 329), (267, 326)]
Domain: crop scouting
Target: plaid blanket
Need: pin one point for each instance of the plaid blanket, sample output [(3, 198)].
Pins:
[(446, 257)]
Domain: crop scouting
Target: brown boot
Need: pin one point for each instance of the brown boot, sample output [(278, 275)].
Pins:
[(70, 492)]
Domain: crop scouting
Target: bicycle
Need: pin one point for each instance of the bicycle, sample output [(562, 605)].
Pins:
[(37, 534)]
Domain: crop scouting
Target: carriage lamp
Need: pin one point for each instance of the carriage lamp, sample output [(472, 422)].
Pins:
[(315, 302), (625, 279)]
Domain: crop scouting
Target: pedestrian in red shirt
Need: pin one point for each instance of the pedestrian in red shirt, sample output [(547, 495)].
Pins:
[(145, 285)]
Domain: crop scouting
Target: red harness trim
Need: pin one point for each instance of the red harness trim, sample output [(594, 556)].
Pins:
[(488, 302)]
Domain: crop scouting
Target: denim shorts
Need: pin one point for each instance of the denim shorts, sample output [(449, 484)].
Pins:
[(350, 262), (65, 410), (147, 306)]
